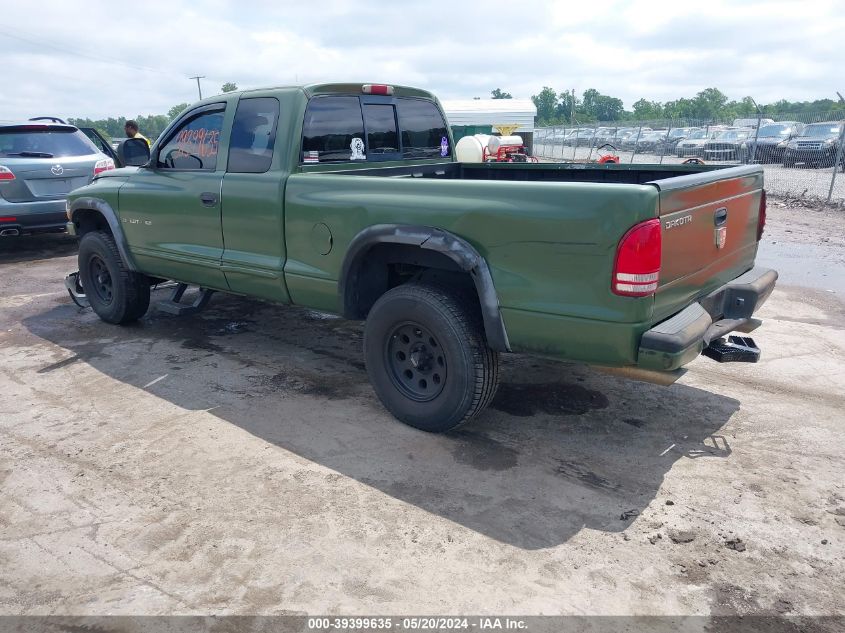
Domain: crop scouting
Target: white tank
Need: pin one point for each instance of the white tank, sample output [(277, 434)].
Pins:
[(470, 149), (496, 142)]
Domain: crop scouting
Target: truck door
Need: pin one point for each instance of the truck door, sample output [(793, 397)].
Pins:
[(170, 211), (253, 199)]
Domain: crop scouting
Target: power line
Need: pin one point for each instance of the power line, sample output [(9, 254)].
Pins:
[(99, 58)]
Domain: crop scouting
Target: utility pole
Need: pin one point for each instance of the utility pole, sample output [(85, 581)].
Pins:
[(838, 157), (199, 88), (756, 132)]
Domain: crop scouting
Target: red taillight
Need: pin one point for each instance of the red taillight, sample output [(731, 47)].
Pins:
[(377, 89), (637, 267), (761, 217), (6, 174), (103, 165), (8, 219)]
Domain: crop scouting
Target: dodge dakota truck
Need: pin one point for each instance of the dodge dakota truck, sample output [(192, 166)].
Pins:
[(347, 198)]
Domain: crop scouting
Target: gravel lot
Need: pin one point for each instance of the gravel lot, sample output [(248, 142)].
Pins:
[(237, 461)]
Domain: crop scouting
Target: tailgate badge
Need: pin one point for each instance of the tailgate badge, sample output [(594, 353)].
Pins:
[(721, 234), (57, 170)]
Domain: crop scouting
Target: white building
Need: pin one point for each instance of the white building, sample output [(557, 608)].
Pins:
[(466, 116), (462, 112)]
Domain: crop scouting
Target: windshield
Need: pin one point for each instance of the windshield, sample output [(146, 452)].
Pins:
[(821, 130), (698, 134), (48, 142), (774, 130), (732, 135)]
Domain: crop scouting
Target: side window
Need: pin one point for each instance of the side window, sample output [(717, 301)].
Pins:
[(382, 137), (194, 144), (331, 125), (253, 135), (424, 132)]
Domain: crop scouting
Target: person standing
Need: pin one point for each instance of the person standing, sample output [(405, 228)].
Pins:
[(131, 129)]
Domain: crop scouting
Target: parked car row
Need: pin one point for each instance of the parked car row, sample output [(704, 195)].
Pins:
[(788, 142)]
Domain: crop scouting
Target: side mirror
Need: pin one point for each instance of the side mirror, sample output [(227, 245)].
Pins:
[(133, 152)]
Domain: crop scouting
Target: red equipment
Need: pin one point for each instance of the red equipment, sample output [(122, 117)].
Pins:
[(509, 154)]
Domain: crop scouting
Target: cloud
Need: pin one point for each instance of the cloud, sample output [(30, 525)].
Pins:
[(108, 61)]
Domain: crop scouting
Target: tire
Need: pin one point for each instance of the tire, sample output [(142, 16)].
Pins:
[(427, 357), (115, 293)]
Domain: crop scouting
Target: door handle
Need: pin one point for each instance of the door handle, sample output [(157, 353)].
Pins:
[(208, 199)]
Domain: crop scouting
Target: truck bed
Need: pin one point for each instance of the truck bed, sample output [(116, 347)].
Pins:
[(549, 232), (534, 172)]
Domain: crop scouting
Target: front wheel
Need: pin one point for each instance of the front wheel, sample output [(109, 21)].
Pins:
[(427, 357), (117, 294)]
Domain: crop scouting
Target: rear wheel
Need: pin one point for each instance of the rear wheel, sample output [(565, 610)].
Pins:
[(427, 357), (117, 294)]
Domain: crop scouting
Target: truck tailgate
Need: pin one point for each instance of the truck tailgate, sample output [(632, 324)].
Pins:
[(709, 231)]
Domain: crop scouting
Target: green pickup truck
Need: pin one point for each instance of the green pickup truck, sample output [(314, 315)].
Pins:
[(347, 198)]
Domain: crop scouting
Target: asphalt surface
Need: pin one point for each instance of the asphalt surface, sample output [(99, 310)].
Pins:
[(237, 461)]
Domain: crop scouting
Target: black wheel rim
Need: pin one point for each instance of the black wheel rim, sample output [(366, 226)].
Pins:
[(415, 361), (100, 279)]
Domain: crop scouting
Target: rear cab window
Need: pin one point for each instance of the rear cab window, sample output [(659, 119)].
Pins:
[(424, 133), (382, 133), (351, 128), (44, 141), (331, 124)]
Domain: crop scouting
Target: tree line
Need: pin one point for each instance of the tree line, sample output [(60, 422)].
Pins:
[(151, 125), (711, 104), (556, 108)]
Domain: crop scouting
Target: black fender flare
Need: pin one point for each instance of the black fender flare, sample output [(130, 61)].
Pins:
[(455, 248), (104, 208)]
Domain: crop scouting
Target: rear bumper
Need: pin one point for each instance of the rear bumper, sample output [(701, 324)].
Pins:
[(810, 156), (680, 339), (45, 215), (766, 153)]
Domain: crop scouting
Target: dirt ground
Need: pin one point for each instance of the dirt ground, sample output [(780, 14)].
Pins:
[(237, 462)]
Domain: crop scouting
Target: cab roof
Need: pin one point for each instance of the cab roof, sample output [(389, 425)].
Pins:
[(37, 125), (311, 90)]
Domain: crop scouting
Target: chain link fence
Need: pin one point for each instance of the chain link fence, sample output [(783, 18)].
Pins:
[(803, 155)]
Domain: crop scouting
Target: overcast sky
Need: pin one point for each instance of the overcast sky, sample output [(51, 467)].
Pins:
[(100, 57)]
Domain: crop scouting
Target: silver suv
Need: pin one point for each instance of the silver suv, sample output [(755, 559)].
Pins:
[(40, 163)]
